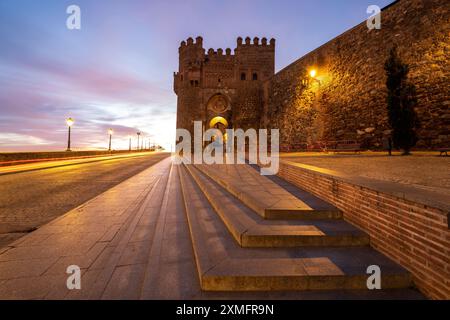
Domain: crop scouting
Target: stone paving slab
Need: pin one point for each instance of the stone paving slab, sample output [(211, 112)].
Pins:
[(263, 195), (32, 199), (250, 230), (244, 180), (102, 237), (422, 179)]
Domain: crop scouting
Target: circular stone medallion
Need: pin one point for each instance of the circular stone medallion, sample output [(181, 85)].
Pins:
[(218, 104)]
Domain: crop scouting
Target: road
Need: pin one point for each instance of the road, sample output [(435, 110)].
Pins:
[(29, 199)]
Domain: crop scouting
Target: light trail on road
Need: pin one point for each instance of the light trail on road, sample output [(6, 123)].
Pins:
[(43, 164), (31, 198)]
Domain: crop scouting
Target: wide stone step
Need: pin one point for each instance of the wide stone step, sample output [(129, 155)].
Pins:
[(289, 274), (250, 230), (223, 265), (264, 196)]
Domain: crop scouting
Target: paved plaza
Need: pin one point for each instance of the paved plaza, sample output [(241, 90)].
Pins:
[(423, 177), (424, 170), (190, 232)]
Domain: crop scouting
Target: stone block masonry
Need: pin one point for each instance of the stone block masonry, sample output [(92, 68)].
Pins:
[(220, 88), (415, 235), (349, 100)]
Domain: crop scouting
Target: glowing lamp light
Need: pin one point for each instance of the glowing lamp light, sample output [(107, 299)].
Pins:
[(313, 73), (70, 122), (110, 131)]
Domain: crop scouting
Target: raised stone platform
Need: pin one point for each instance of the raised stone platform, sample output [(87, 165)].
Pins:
[(408, 224), (423, 177), (251, 230), (264, 196)]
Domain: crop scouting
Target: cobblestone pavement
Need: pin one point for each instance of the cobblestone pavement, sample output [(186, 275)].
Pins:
[(31, 199)]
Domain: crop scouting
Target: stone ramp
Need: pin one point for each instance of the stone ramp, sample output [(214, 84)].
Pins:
[(223, 265), (264, 196), (251, 230)]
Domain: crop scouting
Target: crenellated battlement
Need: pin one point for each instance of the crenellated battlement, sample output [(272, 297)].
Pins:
[(219, 53), (251, 63), (191, 43), (223, 82), (197, 44), (256, 42)]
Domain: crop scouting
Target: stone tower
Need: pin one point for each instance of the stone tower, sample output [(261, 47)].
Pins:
[(222, 89)]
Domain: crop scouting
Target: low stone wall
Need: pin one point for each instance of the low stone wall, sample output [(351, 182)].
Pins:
[(415, 235), (24, 156)]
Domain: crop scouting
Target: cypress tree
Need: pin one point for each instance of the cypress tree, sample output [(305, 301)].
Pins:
[(401, 100)]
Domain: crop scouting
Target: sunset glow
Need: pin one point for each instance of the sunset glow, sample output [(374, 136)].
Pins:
[(117, 71)]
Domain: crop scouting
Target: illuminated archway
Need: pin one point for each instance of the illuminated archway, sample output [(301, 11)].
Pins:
[(216, 120), (219, 123)]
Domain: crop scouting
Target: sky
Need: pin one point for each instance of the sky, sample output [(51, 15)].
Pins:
[(117, 70)]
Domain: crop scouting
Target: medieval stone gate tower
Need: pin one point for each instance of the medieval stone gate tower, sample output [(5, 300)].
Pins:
[(222, 89)]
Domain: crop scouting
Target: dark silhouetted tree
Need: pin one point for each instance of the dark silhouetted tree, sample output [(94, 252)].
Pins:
[(401, 100)]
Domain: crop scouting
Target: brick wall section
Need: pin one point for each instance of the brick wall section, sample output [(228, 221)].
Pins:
[(414, 235), (350, 103)]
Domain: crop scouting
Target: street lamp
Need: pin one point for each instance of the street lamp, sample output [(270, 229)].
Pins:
[(110, 132), (138, 134), (311, 76), (69, 122)]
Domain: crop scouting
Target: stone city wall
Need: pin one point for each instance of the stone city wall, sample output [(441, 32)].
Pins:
[(348, 102)]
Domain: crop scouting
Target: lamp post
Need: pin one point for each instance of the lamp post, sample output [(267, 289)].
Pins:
[(313, 74), (69, 122), (110, 132), (138, 134)]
